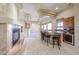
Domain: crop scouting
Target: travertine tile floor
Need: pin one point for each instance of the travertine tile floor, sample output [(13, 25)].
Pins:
[(34, 46), (37, 47)]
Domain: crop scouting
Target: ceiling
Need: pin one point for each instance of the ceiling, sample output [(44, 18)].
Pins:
[(37, 10), (50, 6)]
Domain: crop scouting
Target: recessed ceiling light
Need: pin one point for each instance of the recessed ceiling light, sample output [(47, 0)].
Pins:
[(56, 8)]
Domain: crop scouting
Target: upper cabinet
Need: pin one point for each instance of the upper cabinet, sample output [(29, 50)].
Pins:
[(69, 23)]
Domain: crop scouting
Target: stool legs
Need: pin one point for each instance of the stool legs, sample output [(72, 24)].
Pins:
[(58, 43), (53, 43)]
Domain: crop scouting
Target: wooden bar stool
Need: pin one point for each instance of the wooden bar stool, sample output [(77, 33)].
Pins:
[(56, 39), (47, 39)]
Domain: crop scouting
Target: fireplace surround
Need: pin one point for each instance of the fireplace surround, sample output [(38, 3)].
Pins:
[(15, 34)]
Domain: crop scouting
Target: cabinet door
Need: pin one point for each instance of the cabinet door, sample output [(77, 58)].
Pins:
[(69, 22)]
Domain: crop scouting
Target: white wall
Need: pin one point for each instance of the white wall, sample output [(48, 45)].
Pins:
[(73, 11), (9, 36), (9, 14), (3, 38), (8, 17), (2, 9), (53, 23), (77, 24), (12, 12), (30, 9)]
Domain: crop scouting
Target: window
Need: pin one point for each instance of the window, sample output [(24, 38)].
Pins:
[(45, 27), (49, 26), (59, 25), (42, 27)]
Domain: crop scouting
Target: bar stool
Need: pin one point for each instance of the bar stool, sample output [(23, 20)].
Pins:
[(47, 39), (56, 38), (42, 36)]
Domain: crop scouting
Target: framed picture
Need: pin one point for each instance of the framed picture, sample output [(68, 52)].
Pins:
[(27, 25)]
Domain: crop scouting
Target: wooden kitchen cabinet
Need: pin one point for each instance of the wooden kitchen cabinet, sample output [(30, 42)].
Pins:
[(69, 22), (69, 27)]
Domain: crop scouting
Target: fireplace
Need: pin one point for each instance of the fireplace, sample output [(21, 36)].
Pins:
[(15, 34)]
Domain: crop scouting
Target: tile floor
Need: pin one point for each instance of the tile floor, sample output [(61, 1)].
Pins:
[(34, 46), (37, 47)]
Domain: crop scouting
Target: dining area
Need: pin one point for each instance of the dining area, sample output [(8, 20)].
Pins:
[(64, 33), (53, 38)]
